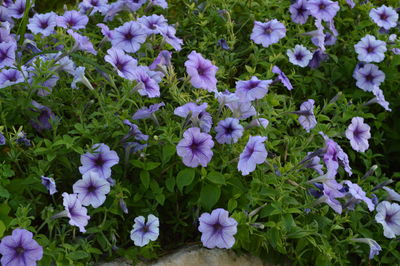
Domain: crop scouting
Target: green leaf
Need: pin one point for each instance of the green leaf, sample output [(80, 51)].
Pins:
[(4, 193), (167, 152), (170, 184), (216, 178), (145, 178), (232, 204), (209, 195), (77, 255), (2, 228), (185, 178), (150, 165), (160, 198)]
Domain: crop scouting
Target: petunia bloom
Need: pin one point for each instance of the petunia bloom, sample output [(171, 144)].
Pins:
[(125, 65), (369, 49), (82, 42), (268, 33), (242, 109), (373, 245), (72, 20), (43, 23), (91, 189), (229, 131), (20, 249), (358, 133), (392, 194), (168, 34), (129, 36), (299, 56), (307, 118), (323, 9), (134, 132), (201, 72), (147, 83), (218, 229), (144, 232), (388, 214), (50, 184), (153, 23), (147, 112), (299, 12), (7, 54), (17, 9), (197, 115), (74, 210), (195, 148), (358, 194), (254, 153), (368, 77), (163, 59), (45, 119), (282, 77), (334, 155), (252, 89), (10, 77), (385, 17)]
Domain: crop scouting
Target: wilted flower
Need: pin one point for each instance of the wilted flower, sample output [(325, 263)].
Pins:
[(201, 72), (323, 9), (72, 19), (384, 16), (380, 99), (358, 133), (10, 77), (79, 77), (299, 12), (43, 23), (20, 249), (218, 229), (368, 77), (229, 131), (144, 232), (22, 139), (359, 194), (7, 54), (50, 184), (147, 112), (254, 153), (123, 206), (268, 33), (198, 115), (258, 122), (282, 77), (252, 89), (307, 119), (153, 23), (91, 189), (82, 42), (125, 65), (299, 56), (373, 245), (314, 163), (369, 49), (223, 44), (74, 210), (388, 214), (195, 148), (107, 33), (317, 58), (129, 36)]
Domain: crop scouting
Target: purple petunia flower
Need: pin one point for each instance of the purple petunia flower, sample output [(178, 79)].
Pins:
[(147, 82), (7, 54), (254, 153), (153, 23), (358, 194), (225, 97), (82, 42), (50, 184), (388, 214), (299, 12), (44, 120), (373, 245), (125, 65), (229, 131), (2, 139), (258, 122), (163, 59), (218, 229), (318, 57), (223, 44), (161, 3), (134, 5), (20, 249), (17, 9), (368, 77), (79, 77), (129, 36), (74, 210), (252, 89), (134, 132), (369, 49), (282, 77), (323, 9), (91, 189), (195, 148), (268, 33), (314, 163), (168, 34), (392, 195), (332, 191), (380, 99), (198, 115), (94, 5), (100, 161), (147, 112), (123, 206), (107, 33), (307, 119), (358, 133), (299, 56), (43, 23), (242, 110), (201, 72), (144, 232), (385, 17), (351, 3), (333, 155), (72, 20), (10, 77), (22, 139)]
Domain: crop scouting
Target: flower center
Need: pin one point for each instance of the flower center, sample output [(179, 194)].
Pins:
[(388, 218), (129, 36), (299, 56), (71, 22), (253, 84), (91, 188), (201, 70), (19, 250), (194, 146), (369, 77), (268, 30), (119, 64), (217, 227), (44, 24), (99, 161), (383, 16), (12, 78), (370, 49), (145, 229), (322, 6), (228, 130)]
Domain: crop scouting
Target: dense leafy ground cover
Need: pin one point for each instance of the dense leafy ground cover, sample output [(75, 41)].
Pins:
[(292, 165)]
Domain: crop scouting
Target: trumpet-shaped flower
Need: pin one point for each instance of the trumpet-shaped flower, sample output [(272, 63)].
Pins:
[(91, 189), (358, 133), (268, 33), (201, 72), (252, 89), (388, 214), (129, 36), (369, 49), (254, 153), (144, 232), (229, 131), (50, 184), (75, 212), (385, 17), (368, 77), (43, 23), (299, 56)]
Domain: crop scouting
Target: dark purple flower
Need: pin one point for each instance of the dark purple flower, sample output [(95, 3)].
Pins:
[(299, 12), (197, 115), (43, 23), (282, 77), (217, 229), (229, 131), (91, 189), (125, 65), (134, 132), (358, 133), (82, 42), (388, 214), (299, 56), (22, 139), (223, 44), (168, 34), (132, 147), (252, 89), (147, 112), (129, 36), (7, 54), (369, 49), (153, 23), (201, 72), (323, 9), (17, 9), (73, 20), (10, 77), (254, 153), (100, 161), (2, 139), (144, 232), (267, 33), (318, 57), (45, 118), (307, 119), (50, 184), (195, 148), (368, 77), (20, 249), (147, 82), (163, 59), (385, 17), (74, 210)]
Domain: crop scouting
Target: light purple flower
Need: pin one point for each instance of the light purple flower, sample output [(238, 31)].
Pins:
[(388, 214), (323, 9), (129, 36), (332, 191), (50, 184), (10, 77), (380, 99), (107, 33), (229, 131), (392, 195), (218, 229), (333, 155), (144, 232), (79, 77), (74, 210), (307, 119), (161, 3), (351, 3), (254, 153), (153, 23), (252, 89), (100, 161), (359, 194), (17, 9), (299, 12), (369, 49), (201, 72), (373, 245), (7, 54), (91, 189), (20, 249), (368, 77), (195, 148), (134, 5), (385, 17), (258, 122), (163, 59), (147, 85), (82, 42), (225, 97), (147, 112), (299, 56), (43, 23), (198, 115), (123, 206), (268, 33), (2, 139), (72, 19), (314, 163), (168, 34), (358, 133), (134, 131), (95, 5), (125, 65), (282, 77), (242, 110)]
